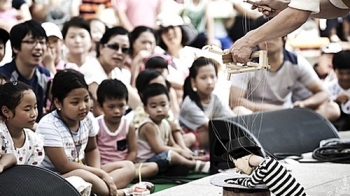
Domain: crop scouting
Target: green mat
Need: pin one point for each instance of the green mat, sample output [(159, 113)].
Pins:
[(162, 182)]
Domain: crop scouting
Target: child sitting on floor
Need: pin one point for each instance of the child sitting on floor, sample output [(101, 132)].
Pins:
[(155, 141), (116, 138), (18, 115), (70, 138), (149, 76)]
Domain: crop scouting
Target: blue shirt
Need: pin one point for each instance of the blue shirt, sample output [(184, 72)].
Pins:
[(38, 82)]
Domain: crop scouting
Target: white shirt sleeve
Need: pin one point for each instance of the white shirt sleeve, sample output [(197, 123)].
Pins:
[(93, 125), (241, 80), (306, 5), (191, 115)]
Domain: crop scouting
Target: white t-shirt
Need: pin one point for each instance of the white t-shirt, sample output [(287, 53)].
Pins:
[(57, 134), (335, 90), (192, 117), (308, 5), (97, 74), (276, 87), (32, 151)]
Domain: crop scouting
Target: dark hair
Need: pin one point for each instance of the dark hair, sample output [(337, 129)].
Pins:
[(4, 36), (144, 78), (19, 31), (64, 82), (153, 90), (156, 62), (161, 43), (4, 77), (111, 89), (188, 90), (136, 34), (109, 34), (75, 22), (341, 60), (11, 94)]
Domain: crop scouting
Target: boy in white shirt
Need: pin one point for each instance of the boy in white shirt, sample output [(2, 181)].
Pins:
[(340, 89)]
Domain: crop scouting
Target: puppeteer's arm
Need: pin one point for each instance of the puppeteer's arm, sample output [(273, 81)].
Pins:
[(269, 172)]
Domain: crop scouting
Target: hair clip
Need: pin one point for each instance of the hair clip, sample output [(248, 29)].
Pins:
[(166, 58)]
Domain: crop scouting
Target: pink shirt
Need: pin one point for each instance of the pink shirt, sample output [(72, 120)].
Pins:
[(9, 15), (61, 65), (139, 12), (112, 145)]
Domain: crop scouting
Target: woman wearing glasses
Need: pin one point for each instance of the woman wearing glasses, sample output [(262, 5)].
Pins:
[(113, 48)]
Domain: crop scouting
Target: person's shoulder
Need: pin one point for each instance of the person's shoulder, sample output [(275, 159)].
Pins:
[(8, 68), (290, 57), (43, 70), (90, 120), (33, 136), (48, 120), (3, 128)]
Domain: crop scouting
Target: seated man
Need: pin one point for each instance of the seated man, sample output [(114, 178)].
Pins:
[(271, 90)]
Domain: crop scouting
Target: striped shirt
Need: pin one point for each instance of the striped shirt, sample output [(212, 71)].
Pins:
[(57, 134), (271, 173)]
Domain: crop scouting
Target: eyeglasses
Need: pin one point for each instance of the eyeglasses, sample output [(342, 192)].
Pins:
[(116, 47), (35, 42)]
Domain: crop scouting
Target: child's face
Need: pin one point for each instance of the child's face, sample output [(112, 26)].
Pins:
[(172, 36), (75, 106), (343, 76), (26, 112), (78, 40), (97, 30), (56, 44), (325, 64), (2, 50), (146, 41), (157, 107), (205, 80), (114, 109)]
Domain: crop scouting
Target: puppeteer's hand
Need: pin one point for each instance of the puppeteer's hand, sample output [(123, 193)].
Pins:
[(276, 5), (241, 51)]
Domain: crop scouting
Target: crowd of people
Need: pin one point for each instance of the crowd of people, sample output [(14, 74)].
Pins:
[(98, 89)]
